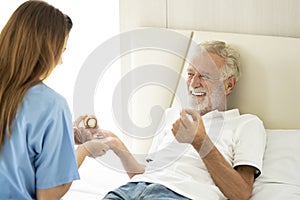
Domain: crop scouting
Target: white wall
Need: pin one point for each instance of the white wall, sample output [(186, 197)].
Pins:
[(267, 17), (94, 23)]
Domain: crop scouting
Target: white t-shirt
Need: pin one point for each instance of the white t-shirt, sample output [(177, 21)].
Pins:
[(240, 138)]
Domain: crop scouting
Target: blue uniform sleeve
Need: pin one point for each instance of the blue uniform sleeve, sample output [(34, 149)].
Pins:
[(55, 161)]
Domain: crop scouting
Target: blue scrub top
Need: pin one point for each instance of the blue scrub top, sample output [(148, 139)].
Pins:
[(40, 152)]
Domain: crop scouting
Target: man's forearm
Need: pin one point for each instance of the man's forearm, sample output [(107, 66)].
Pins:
[(130, 164), (230, 182)]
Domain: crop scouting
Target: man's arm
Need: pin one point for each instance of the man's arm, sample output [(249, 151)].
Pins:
[(130, 164), (234, 183)]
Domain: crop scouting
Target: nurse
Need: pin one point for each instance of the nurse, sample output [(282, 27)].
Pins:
[(37, 157)]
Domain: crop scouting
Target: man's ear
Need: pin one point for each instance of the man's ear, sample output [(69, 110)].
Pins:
[(229, 85)]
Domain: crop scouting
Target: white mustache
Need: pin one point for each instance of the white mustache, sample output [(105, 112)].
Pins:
[(197, 91)]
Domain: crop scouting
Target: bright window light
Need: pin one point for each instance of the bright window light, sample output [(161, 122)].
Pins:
[(94, 23)]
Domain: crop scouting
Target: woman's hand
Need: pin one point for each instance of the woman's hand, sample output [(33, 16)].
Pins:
[(83, 134)]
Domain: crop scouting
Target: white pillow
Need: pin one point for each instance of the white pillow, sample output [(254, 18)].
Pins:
[(280, 178)]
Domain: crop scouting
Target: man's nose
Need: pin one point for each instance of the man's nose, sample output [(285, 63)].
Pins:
[(195, 82)]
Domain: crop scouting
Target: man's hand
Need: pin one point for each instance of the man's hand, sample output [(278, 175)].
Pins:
[(96, 147), (114, 142), (189, 128)]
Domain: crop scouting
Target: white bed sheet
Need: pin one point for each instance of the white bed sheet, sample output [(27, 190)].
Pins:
[(96, 179)]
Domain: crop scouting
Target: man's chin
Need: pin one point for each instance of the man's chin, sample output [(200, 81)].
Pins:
[(199, 108)]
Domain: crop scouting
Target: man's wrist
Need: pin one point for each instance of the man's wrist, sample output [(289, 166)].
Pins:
[(206, 147)]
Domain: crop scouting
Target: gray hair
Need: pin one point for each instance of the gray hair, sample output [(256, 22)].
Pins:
[(231, 57)]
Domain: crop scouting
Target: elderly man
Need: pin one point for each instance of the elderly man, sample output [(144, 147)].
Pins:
[(206, 152)]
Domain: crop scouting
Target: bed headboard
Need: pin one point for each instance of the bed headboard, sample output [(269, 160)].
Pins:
[(269, 86)]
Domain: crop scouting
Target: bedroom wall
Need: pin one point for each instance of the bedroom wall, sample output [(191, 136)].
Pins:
[(267, 17)]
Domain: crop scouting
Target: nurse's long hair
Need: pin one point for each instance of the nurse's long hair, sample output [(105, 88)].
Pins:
[(31, 44)]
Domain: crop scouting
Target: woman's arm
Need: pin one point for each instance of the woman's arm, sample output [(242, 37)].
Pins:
[(59, 191), (54, 193)]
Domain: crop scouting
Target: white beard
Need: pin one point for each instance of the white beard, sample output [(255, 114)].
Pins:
[(216, 100)]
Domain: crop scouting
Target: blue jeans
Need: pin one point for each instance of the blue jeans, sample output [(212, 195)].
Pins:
[(143, 191)]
